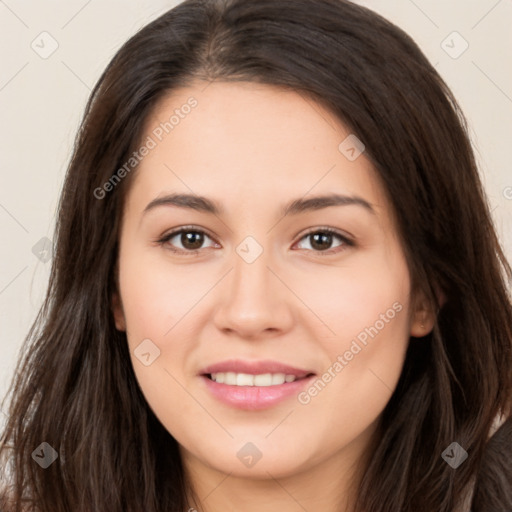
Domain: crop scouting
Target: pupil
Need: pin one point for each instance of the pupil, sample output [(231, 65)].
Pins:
[(318, 238), (192, 240)]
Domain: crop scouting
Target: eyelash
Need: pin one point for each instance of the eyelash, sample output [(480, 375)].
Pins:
[(194, 252)]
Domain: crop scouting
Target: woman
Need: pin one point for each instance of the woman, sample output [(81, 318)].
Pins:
[(276, 282)]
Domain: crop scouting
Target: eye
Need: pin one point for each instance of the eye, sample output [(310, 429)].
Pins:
[(321, 240), (190, 238)]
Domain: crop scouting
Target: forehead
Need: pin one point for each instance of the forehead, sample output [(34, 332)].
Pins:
[(249, 142)]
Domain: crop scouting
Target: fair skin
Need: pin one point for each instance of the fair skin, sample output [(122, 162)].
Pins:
[(254, 148)]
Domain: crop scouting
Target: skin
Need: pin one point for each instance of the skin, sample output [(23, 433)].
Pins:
[(254, 148)]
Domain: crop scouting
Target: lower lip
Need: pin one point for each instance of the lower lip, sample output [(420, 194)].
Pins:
[(255, 397)]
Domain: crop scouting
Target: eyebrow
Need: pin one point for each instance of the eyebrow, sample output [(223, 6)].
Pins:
[(203, 204)]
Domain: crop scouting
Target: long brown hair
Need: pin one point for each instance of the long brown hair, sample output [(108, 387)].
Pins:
[(74, 387)]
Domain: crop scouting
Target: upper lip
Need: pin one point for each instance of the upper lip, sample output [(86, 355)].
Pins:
[(255, 368)]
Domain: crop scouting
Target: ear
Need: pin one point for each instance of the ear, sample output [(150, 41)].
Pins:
[(117, 310), (423, 317)]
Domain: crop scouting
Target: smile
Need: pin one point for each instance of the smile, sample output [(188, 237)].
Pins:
[(254, 385)]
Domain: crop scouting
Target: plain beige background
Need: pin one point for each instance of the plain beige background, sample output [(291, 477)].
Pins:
[(42, 96)]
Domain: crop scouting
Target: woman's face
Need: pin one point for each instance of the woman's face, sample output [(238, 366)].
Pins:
[(268, 296)]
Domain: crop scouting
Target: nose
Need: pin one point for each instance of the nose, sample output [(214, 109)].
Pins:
[(254, 301)]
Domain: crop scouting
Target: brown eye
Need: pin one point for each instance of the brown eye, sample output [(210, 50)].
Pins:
[(322, 240), (185, 240), (191, 239)]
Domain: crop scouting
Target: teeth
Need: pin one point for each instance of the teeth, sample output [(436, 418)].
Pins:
[(230, 378), (278, 378), (264, 379), (245, 379)]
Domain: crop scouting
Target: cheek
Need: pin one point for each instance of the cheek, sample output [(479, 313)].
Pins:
[(368, 290), (157, 306), (157, 295), (366, 308)]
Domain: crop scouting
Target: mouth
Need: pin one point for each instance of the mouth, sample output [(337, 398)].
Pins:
[(254, 385)]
